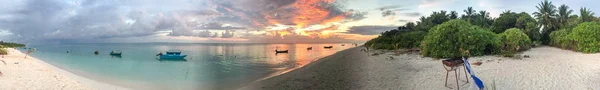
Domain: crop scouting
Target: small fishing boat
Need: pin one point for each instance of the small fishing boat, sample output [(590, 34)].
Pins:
[(96, 52), (327, 46), (116, 52), (309, 48), (172, 54), (281, 51)]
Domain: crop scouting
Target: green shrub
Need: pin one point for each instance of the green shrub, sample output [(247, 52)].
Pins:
[(410, 39), (514, 40), (585, 37), (3, 51), (559, 39), (446, 40)]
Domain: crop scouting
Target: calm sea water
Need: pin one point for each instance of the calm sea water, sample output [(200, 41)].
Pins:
[(208, 66)]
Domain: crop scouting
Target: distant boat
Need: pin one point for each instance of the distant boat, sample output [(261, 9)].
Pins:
[(309, 48), (281, 51), (95, 52), (116, 52), (172, 55), (327, 46)]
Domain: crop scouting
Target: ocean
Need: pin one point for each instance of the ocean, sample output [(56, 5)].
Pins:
[(207, 66)]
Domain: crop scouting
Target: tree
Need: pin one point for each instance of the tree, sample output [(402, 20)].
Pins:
[(586, 14), (563, 15), (469, 14), (545, 16), (482, 19), (506, 20), (410, 25), (453, 15), (528, 25)]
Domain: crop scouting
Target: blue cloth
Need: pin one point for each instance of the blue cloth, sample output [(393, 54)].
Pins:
[(478, 81)]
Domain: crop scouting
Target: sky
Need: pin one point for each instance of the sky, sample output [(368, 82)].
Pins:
[(229, 21)]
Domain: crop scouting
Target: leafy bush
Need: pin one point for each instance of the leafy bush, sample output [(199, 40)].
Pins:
[(559, 39), (585, 37), (514, 40), (11, 44), (3, 51), (446, 40), (410, 39)]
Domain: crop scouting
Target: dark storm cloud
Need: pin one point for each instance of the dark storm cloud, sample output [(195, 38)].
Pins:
[(369, 30)]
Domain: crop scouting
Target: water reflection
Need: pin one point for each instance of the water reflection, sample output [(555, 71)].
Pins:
[(220, 65)]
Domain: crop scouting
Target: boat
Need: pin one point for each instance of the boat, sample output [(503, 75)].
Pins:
[(343, 44), (116, 52), (96, 52), (309, 48), (281, 51), (327, 46), (173, 54)]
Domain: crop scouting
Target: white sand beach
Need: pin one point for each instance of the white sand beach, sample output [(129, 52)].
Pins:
[(29, 73), (547, 68)]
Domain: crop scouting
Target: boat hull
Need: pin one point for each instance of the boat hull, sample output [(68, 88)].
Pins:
[(172, 56)]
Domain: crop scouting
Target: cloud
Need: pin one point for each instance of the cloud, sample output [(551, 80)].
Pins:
[(403, 20), (429, 3), (369, 29), (412, 14), (35, 20)]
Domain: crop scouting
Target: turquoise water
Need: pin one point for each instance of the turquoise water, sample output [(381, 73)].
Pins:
[(208, 66)]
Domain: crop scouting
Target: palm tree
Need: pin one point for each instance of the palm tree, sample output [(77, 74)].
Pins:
[(453, 15), (470, 13), (586, 14), (563, 14), (545, 16)]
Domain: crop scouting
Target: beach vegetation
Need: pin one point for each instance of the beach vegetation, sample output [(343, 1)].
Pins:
[(585, 37), (11, 44), (3, 51), (513, 41), (442, 34), (447, 39)]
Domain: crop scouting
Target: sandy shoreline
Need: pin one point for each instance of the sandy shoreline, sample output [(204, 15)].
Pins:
[(33, 74), (547, 68)]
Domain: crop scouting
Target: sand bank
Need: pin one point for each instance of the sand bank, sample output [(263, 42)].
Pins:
[(32, 74), (546, 68)]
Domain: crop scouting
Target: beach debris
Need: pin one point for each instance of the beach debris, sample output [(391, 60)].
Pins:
[(477, 63)]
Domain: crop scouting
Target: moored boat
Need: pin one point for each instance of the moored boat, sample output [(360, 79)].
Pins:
[(309, 48), (281, 51), (172, 55), (327, 46), (115, 52)]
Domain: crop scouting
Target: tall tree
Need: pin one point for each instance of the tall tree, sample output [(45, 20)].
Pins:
[(563, 15), (586, 14), (410, 25), (506, 20), (545, 16), (453, 15), (469, 14)]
